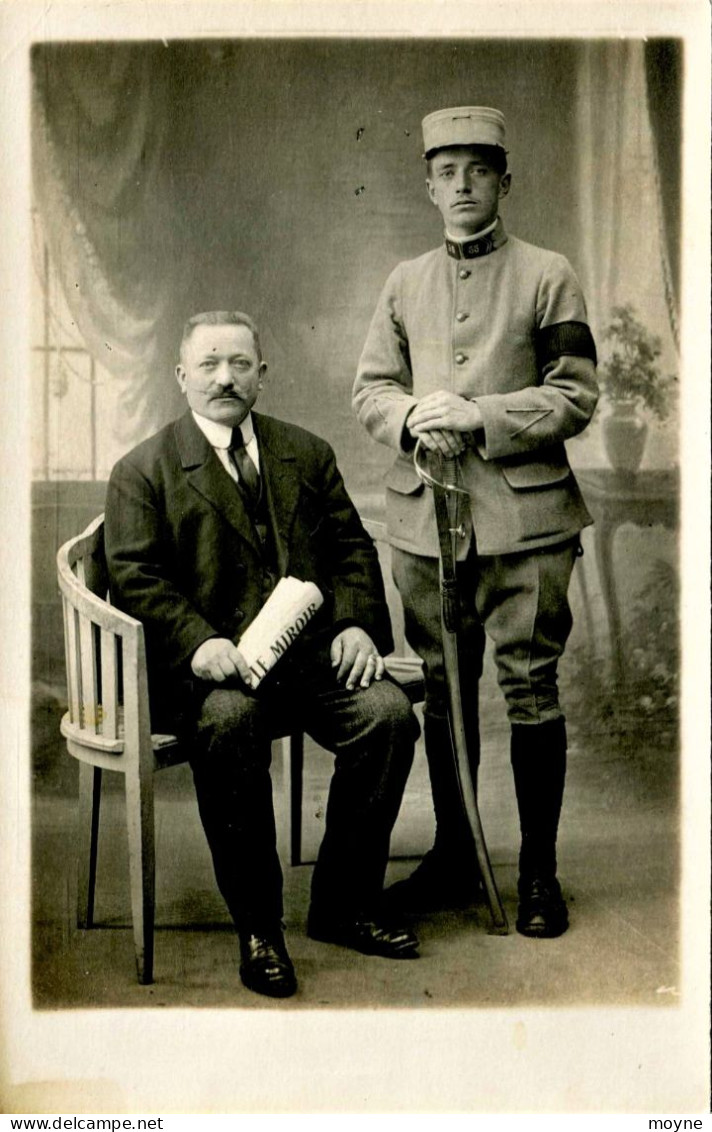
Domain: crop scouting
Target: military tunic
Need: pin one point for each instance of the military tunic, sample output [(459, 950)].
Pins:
[(497, 320)]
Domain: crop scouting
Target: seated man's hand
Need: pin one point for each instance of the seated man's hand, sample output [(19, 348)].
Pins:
[(218, 659), (440, 419), (356, 656)]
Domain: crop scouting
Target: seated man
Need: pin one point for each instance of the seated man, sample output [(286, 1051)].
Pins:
[(201, 520)]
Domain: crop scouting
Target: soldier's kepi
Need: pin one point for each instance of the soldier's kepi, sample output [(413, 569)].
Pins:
[(480, 350)]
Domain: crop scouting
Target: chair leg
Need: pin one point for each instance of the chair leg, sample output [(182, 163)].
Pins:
[(296, 779), (88, 841), (142, 869)]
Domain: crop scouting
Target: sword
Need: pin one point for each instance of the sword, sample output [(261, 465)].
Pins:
[(445, 496)]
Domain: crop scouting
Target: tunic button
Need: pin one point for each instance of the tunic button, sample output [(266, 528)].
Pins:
[(461, 316), (461, 359), (464, 273)]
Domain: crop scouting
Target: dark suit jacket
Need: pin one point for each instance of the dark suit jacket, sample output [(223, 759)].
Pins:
[(184, 557)]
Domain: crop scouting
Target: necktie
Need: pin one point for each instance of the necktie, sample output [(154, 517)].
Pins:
[(249, 476)]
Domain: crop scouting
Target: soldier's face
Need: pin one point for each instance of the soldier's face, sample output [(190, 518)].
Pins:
[(466, 188), (220, 372)]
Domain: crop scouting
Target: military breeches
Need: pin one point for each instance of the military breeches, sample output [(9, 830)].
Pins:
[(519, 600)]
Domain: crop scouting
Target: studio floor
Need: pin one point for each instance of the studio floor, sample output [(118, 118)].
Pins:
[(618, 854)]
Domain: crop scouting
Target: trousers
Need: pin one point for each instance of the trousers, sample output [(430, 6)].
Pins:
[(371, 733), (519, 600)]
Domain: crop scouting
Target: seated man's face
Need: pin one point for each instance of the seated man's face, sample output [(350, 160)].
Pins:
[(466, 188), (220, 372)]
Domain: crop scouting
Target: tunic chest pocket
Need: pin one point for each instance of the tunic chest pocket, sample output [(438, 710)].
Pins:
[(536, 473), (403, 479)]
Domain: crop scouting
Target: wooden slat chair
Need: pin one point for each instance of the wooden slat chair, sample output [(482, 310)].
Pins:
[(107, 727)]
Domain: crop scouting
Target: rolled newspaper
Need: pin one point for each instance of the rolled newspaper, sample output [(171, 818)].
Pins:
[(288, 609)]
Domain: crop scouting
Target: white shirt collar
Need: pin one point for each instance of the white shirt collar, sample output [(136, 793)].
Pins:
[(219, 435), (475, 235)]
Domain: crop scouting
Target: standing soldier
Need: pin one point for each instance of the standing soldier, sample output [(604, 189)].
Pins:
[(480, 350)]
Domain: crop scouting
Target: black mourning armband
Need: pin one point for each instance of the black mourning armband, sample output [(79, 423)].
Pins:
[(564, 338)]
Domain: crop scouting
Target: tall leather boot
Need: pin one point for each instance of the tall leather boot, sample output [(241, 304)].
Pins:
[(538, 754), (448, 875)]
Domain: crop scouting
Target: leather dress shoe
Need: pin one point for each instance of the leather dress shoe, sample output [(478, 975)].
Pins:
[(368, 936), (266, 967), (440, 881), (542, 912)]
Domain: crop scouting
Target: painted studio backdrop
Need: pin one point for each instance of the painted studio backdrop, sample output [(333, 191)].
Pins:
[(285, 178)]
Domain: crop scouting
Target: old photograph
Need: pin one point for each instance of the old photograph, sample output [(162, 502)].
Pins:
[(371, 349)]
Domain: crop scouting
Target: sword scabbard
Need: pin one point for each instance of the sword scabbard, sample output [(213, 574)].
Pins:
[(445, 497)]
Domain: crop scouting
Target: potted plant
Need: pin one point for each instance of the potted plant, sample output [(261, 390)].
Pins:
[(630, 378)]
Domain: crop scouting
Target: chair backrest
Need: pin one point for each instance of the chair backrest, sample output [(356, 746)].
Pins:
[(107, 685)]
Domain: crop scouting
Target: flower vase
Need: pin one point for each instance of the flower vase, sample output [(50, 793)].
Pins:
[(624, 436)]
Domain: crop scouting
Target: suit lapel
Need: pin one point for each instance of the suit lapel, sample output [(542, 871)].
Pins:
[(207, 476), (281, 484)]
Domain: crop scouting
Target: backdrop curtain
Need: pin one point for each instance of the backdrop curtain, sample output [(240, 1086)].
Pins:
[(663, 71), (623, 240), (285, 178), (101, 117), (623, 229)]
